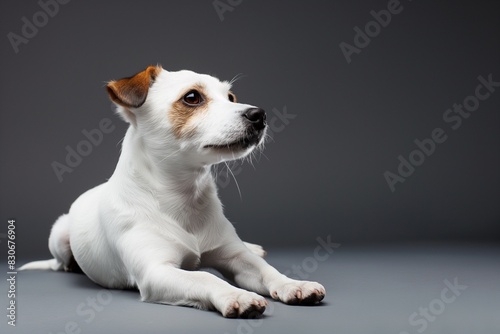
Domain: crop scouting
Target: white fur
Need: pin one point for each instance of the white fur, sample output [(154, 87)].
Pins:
[(158, 218)]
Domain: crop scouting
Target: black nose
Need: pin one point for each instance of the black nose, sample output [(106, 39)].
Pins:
[(257, 117)]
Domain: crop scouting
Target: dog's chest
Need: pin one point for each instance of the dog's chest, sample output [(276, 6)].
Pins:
[(192, 208)]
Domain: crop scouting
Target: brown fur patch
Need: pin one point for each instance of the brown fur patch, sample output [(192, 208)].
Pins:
[(180, 114), (131, 92)]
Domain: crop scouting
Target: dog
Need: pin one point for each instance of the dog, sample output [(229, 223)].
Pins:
[(158, 218)]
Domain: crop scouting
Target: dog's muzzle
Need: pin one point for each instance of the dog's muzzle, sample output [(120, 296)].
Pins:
[(256, 124)]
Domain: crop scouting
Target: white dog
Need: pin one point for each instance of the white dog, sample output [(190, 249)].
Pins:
[(158, 218)]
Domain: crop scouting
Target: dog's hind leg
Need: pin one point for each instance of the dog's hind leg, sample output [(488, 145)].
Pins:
[(59, 247), (256, 249)]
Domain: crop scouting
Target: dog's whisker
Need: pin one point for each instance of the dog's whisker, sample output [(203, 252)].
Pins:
[(120, 141), (236, 78), (235, 181), (168, 156), (265, 156), (268, 136), (254, 155)]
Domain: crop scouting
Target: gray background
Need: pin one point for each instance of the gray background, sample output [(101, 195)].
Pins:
[(323, 173), (321, 176), (369, 290)]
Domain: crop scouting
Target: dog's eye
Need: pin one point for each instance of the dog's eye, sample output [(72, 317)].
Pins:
[(231, 97), (193, 98)]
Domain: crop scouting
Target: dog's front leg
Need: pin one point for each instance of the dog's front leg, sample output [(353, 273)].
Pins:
[(155, 267), (251, 272)]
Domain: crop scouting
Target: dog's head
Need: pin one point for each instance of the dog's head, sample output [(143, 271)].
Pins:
[(190, 114)]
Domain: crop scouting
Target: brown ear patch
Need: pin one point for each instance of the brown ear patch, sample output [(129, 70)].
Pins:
[(131, 92)]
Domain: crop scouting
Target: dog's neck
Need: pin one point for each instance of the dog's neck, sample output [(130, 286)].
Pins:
[(175, 181)]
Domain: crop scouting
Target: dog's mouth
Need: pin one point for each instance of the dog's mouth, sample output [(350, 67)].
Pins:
[(240, 144)]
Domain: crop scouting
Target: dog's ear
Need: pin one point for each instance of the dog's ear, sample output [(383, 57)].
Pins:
[(131, 92)]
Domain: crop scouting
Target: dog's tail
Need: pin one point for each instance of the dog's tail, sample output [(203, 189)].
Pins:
[(51, 264), (59, 248)]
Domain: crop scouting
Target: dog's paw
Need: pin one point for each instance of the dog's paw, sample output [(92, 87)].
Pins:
[(256, 249), (299, 292), (243, 304)]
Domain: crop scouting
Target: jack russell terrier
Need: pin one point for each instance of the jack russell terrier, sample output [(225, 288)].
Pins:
[(158, 218)]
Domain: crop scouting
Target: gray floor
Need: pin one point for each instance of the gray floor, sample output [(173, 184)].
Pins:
[(388, 290)]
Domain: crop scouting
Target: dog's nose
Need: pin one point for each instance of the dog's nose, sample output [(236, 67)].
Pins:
[(257, 117)]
